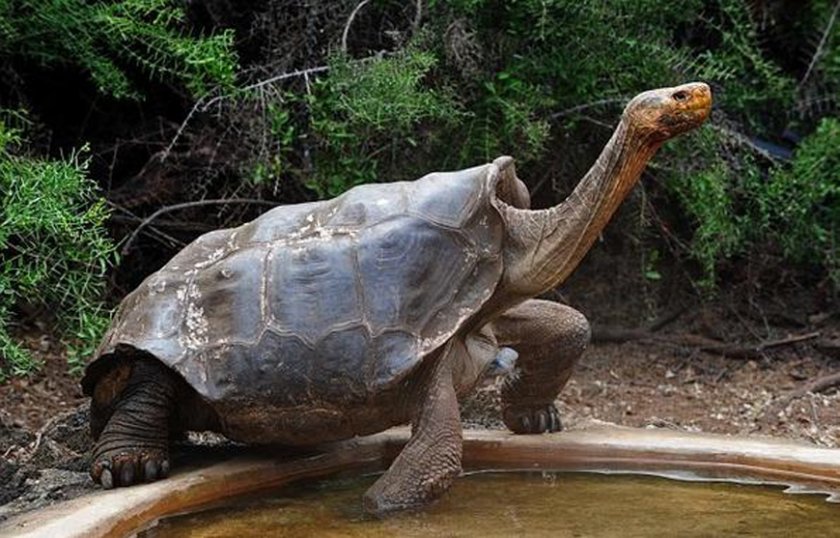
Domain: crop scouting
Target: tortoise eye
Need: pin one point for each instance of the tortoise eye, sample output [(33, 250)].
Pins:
[(680, 96)]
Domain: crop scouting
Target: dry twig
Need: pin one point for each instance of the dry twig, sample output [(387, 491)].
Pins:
[(814, 386), (161, 236), (186, 205), (586, 106), (39, 437), (418, 15), (820, 47), (817, 385), (349, 23), (203, 105), (701, 343), (737, 351), (829, 346), (619, 335)]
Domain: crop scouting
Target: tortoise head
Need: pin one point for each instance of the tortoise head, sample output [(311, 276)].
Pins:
[(546, 245), (658, 115)]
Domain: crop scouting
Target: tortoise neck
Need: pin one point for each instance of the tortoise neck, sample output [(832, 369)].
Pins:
[(555, 240)]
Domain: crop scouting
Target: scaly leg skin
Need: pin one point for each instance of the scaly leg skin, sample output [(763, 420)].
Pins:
[(431, 460), (134, 445), (550, 338)]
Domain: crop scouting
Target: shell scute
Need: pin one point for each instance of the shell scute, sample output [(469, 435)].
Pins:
[(280, 224), (339, 365), (408, 267), (229, 297), (312, 287), (278, 367), (366, 205), (202, 252), (445, 197), (395, 353)]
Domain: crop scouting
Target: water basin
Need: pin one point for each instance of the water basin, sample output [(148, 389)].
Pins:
[(523, 504)]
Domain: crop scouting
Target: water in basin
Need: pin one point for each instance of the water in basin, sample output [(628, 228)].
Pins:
[(523, 504)]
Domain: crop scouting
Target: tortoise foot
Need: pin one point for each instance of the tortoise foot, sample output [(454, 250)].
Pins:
[(130, 466), (536, 419), (381, 507)]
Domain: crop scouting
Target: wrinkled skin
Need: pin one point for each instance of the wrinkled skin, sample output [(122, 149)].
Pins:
[(322, 321)]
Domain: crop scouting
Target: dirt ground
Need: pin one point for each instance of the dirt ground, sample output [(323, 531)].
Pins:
[(30, 402), (634, 383), (641, 385), (659, 377)]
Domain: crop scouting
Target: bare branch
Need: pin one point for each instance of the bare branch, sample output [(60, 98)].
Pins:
[(820, 47), (744, 140), (418, 15), (180, 130), (202, 106), (156, 233), (186, 205), (182, 226), (701, 343), (272, 80), (818, 385), (586, 106), (813, 386), (751, 351), (349, 23)]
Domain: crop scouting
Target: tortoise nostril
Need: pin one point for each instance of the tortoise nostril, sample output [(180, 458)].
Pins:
[(680, 96)]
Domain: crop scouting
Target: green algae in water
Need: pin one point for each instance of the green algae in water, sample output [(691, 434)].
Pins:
[(523, 504)]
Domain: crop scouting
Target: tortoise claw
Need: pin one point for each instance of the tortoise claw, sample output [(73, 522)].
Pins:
[(537, 419), (127, 474), (129, 467), (150, 471), (106, 479), (542, 422)]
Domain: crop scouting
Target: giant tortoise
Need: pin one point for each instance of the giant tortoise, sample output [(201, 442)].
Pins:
[(322, 321)]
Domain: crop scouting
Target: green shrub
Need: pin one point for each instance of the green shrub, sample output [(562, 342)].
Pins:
[(55, 249), (364, 112), (799, 204), (707, 189), (53, 240), (105, 37), (589, 57), (741, 208)]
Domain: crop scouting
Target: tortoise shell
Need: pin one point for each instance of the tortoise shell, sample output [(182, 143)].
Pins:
[(330, 301)]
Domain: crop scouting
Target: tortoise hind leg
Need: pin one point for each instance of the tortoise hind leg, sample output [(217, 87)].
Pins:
[(431, 460), (550, 338), (134, 443)]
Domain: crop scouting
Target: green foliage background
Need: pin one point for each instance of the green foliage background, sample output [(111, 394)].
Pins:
[(325, 103), (56, 251), (103, 38), (531, 78), (55, 248)]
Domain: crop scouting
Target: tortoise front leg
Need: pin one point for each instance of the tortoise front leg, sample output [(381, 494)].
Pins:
[(550, 338), (134, 444), (431, 460)]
